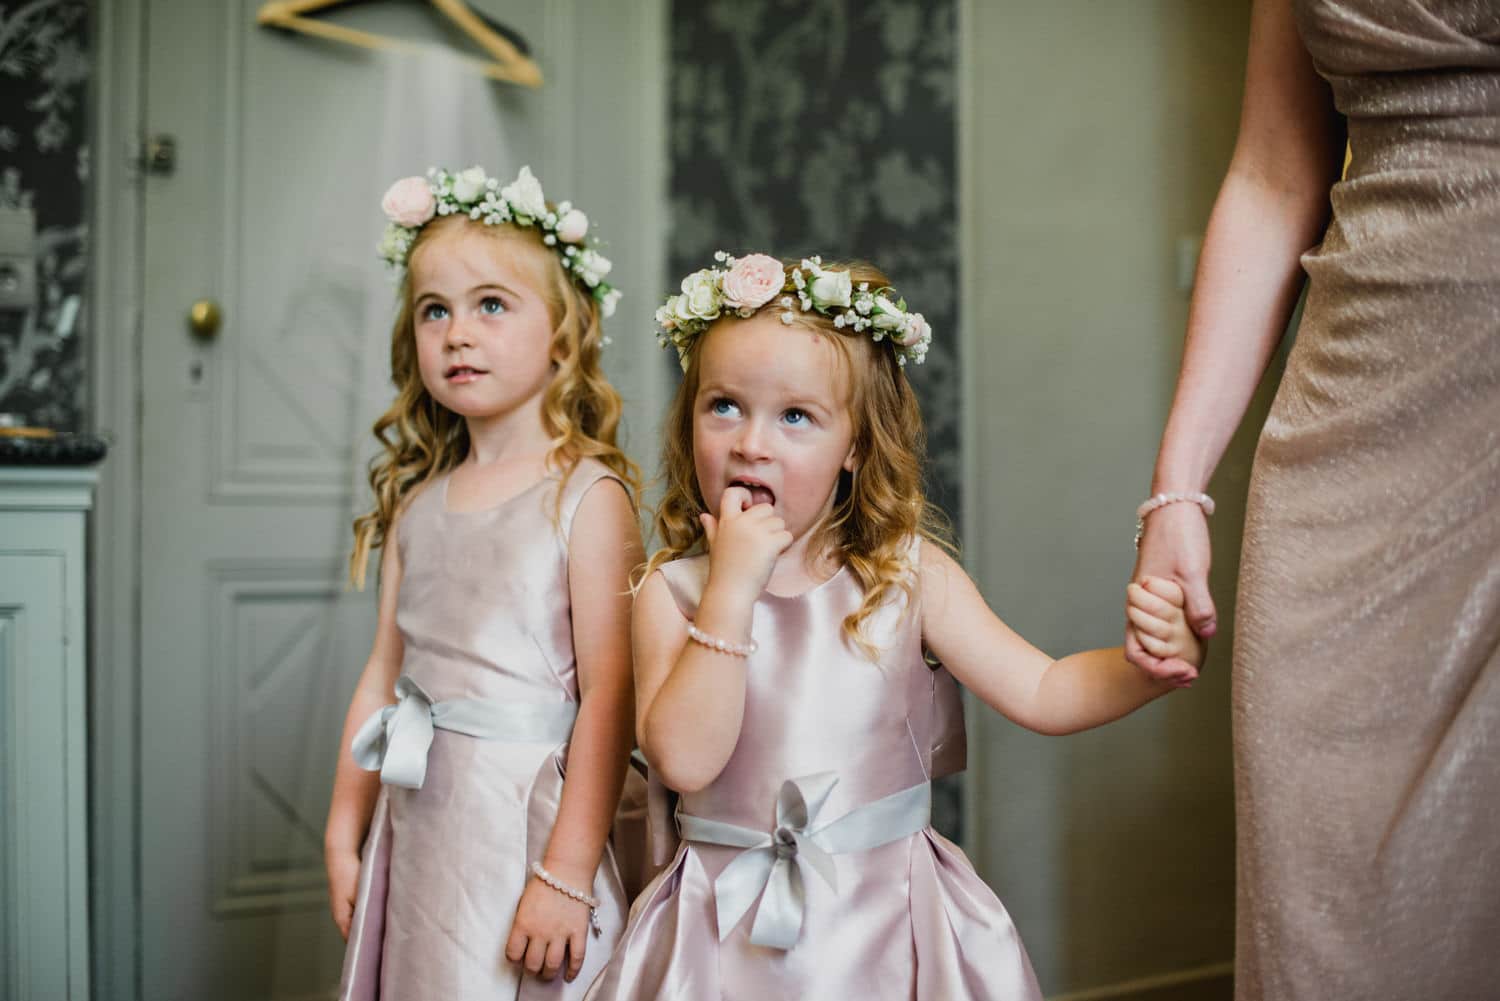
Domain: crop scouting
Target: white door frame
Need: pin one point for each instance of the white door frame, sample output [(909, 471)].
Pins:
[(114, 640)]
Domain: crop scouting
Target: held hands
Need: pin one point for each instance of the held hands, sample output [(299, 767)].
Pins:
[(343, 884), (744, 541), (550, 927), (1155, 609), (1176, 548)]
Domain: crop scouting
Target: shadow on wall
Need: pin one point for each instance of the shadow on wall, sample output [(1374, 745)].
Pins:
[(1181, 787)]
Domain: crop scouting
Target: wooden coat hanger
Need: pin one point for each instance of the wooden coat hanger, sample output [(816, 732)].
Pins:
[(510, 65)]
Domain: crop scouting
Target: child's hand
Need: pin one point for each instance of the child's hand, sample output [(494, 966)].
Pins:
[(744, 541), (343, 884), (1155, 609), (548, 928)]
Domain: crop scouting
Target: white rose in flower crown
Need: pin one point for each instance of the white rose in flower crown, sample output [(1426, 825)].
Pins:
[(666, 315), (915, 332), (682, 309), (700, 296), (409, 202), (525, 195), (887, 316), (595, 263), (572, 227), (468, 185), (830, 288), (609, 301), (753, 282)]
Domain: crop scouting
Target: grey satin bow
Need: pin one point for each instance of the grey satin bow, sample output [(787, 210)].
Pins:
[(771, 864), (396, 738)]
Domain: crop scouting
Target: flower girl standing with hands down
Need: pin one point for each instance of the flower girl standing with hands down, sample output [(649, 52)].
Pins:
[(781, 682), (504, 512)]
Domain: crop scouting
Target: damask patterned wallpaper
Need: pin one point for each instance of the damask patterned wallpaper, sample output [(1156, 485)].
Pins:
[(796, 127), (45, 66), (828, 127)]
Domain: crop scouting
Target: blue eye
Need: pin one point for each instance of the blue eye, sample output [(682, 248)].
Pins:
[(723, 407), (797, 417), (434, 311), (491, 306)]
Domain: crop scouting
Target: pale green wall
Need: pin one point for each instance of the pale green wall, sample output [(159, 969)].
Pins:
[(1095, 135)]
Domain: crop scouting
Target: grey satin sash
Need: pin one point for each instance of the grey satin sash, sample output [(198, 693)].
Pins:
[(771, 864), (394, 741)]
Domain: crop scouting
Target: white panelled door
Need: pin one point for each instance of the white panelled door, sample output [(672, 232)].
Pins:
[(254, 437)]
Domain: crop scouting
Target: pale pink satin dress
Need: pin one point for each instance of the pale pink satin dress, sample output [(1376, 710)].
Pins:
[(908, 919), (484, 613)]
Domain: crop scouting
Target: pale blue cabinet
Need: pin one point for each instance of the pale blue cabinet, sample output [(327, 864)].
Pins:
[(43, 718)]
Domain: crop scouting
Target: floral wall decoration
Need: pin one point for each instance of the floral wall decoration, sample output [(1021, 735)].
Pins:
[(45, 65)]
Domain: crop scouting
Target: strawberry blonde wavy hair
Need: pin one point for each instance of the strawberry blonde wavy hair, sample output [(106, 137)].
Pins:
[(420, 438), (878, 509)]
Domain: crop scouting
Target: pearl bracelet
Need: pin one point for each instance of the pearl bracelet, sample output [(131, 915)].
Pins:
[(1162, 500), (722, 646), (567, 891)]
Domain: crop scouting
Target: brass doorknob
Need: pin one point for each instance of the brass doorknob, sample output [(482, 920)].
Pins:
[(204, 318)]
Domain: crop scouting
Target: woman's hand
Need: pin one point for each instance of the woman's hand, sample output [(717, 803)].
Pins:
[(550, 928), (343, 884), (1175, 547)]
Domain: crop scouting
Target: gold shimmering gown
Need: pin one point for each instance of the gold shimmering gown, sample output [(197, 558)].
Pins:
[(484, 616), (1366, 684)]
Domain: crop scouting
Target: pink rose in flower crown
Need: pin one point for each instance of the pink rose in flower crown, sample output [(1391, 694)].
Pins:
[(916, 331), (753, 282), (409, 202)]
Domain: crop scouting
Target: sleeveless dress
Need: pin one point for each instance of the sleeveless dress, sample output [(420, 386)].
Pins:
[(488, 676), (808, 868), (1366, 686)]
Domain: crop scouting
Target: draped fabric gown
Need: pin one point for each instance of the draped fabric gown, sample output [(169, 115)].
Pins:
[(1366, 684)]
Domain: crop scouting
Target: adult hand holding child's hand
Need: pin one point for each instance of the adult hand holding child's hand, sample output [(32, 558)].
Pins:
[(1155, 610), (1175, 547)]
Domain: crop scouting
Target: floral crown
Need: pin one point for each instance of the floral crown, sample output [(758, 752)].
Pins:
[(743, 285), (412, 202)]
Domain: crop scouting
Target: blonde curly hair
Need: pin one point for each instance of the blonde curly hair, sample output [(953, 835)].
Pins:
[(421, 439), (878, 509)]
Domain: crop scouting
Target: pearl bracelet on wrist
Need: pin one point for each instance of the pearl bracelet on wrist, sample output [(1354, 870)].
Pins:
[(722, 646), (1162, 500), (583, 898)]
